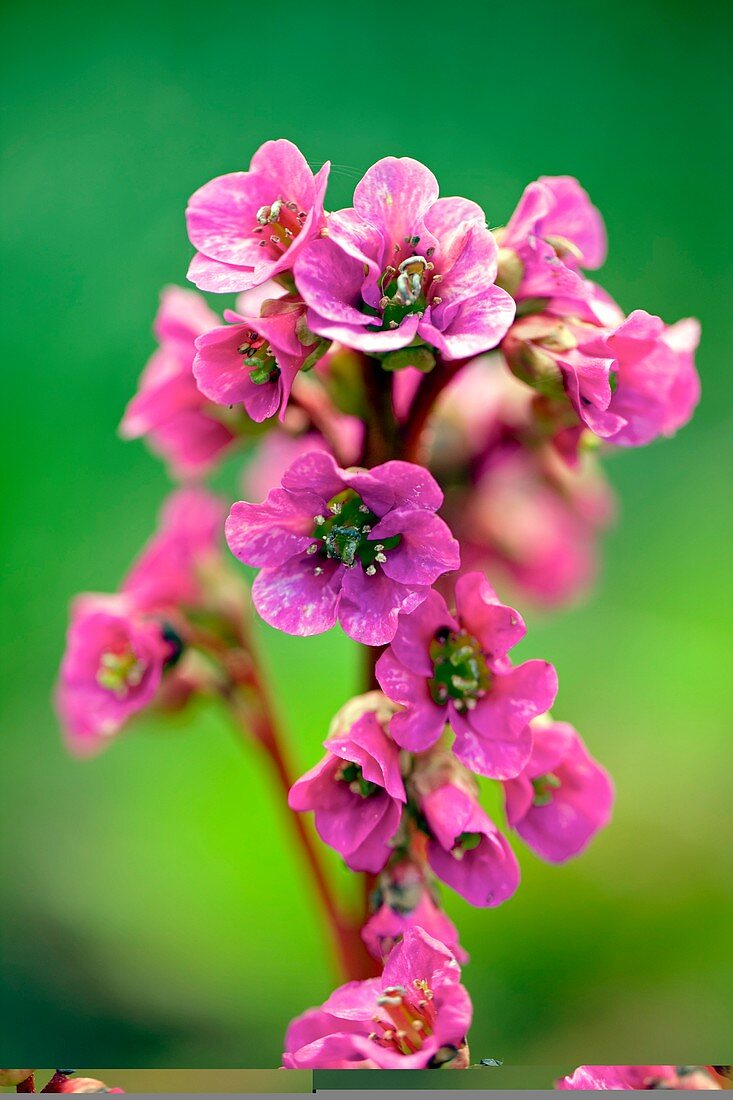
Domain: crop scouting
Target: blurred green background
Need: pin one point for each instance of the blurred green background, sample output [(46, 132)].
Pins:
[(153, 910)]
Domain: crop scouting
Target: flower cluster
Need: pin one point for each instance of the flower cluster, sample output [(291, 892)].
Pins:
[(428, 399)]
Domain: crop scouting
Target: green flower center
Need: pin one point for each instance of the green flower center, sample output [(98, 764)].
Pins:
[(258, 359), (466, 842), (352, 774), (343, 534), (544, 786), (118, 672), (460, 672)]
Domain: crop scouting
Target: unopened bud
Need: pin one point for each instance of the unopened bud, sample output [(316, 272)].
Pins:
[(511, 271), (419, 357)]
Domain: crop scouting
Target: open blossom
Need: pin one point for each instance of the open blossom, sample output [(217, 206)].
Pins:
[(249, 227), (405, 898), (356, 791), (403, 265), (554, 232), (446, 668), (352, 546), (254, 360), (112, 668), (617, 1078), (562, 797), (169, 409), (465, 849), (415, 1016)]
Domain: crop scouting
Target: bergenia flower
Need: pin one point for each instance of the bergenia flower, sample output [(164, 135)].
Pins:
[(356, 791), (562, 797), (414, 1017), (352, 546), (655, 385), (618, 1078), (253, 361), (249, 227), (405, 898), (112, 668), (554, 232), (465, 849), (179, 423), (172, 569), (446, 668), (404, 266)]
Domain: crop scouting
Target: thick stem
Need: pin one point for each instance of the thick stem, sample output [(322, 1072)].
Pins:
[(411, 442)]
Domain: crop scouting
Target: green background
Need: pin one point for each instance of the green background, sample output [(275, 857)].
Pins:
[(153, 910)]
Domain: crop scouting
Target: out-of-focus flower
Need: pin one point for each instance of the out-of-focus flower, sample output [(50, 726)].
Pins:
[(249, 227), (445, 668), (179, 423), (254, 360), (405, 898), (356, 791), (618, 1078), (112, 668), (562, 797), (352, 546), (404, 265), (415, 1016)]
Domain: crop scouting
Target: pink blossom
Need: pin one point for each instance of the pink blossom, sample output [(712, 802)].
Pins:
[(562, 797), (405, 898), (554, 232), (352, 546), (404, 265), (112, 668), (356, 791), (617, 1078), (250, 226), (655, 384), (170, 571), (414, 1017), (254, 360), (465, 849), (454, 669), (169, 409)]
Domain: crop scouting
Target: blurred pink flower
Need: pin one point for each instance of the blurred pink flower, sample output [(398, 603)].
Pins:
[(637, 1077)]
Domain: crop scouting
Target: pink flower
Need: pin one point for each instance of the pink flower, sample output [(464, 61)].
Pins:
[(405, 899), (446, 668), (414, 1017), (554, 232), (402, 265), (169, 409), (561, 798), (655, 384), (112, 668), (352, 546), (465, 849), (356, 790), (636, 1077), (254, 360), (171, 569), (250, 226)]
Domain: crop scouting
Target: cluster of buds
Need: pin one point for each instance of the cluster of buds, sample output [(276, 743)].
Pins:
[(423, 393)]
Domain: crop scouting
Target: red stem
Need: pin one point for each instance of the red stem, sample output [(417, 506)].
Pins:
[(29, 1085), (411, 442)]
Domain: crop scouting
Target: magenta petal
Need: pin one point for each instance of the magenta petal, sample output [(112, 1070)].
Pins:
[(499, 755), (222, 215), (478, 324), (366, 744), (370, 605), (574, 217), (413, 486), (394, 195), (417, 630), (315, 472), (219, 278), (330, 282), (494, 625), (426, 549), (293, 599), (268, 534)]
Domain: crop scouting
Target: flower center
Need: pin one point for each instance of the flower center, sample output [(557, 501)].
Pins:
[(460, 672), (544, 786), (119, 672), (343, 534), (405, 1018), (407, 284), (466, 842), (352, 774), (279, 224), (258, 359)]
